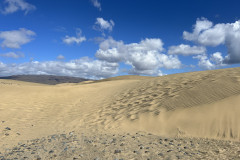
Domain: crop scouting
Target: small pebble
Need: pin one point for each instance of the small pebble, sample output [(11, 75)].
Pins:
[(51, 151), (117, 151), (160, 154)]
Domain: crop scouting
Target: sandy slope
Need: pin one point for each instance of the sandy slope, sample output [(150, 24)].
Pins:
[(198, 104), (36, 110), (203, 104)]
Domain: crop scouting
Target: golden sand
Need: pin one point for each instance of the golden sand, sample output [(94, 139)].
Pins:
[(198, 104)]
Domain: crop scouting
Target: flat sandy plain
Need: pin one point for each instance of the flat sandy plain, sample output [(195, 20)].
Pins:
[(182, 116)]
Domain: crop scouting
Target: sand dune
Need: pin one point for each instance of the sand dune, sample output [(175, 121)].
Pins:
[(203, 104), (128, 77), (35, 110), (196, 105)]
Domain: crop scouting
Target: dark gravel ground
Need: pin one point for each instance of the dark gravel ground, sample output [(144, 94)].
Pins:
[(145, 146)]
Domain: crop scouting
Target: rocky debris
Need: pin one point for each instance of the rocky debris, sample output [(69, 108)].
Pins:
[(7, 128), (120, 146), (117, 151)]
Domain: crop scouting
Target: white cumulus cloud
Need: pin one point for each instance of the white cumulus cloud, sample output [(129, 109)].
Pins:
[(71, 39), (215, 61), (12, 55), (201, 25), (83, 67), (96, 4), (145, 57), (16, 38), (16, 5), (186, 50), (207, 34), (217, 58), (232, 41), (102, 25)]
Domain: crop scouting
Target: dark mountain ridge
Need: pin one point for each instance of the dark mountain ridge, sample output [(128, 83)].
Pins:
[(45, 79)]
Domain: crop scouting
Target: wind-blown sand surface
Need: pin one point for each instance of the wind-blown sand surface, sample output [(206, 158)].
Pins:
[(181, 116)]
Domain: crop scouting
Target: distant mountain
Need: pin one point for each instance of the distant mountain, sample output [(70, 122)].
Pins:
[(45, 79)]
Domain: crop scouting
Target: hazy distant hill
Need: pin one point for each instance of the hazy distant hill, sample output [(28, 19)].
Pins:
[(45, 79)]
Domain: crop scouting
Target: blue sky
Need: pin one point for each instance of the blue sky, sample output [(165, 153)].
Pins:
[(104, 38)]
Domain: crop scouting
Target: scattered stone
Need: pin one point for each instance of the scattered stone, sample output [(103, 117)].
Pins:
[(15, 148), (70, 147), (113, 140), (117, 151), (51, 151), (38, 157), (7, 128), (160, 154)]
